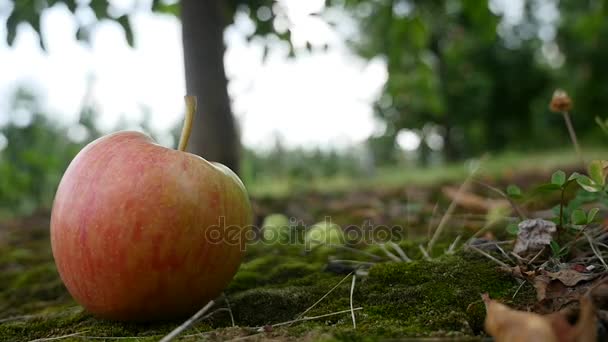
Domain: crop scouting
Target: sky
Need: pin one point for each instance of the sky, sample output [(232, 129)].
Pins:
[(320, 99)]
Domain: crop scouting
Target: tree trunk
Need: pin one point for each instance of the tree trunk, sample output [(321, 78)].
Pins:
[(214, 134)]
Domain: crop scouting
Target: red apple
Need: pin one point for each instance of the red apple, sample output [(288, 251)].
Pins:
[(143, 232)]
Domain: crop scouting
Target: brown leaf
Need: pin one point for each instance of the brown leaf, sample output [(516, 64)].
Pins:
[(570, 277), (506, 324), (473, 202)]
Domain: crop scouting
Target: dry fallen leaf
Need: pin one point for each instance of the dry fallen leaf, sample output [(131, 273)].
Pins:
[(506, 324), (533, 236)]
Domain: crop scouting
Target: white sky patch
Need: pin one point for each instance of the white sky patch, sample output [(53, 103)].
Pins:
[(319, 99), (408, 140)]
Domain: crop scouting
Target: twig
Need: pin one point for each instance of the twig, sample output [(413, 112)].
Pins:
[(173, 334), (442, 223), (57, 337), (352, 311), (324, 296), (489, 256), (313, 318), (229, 309), (389, 254), (595, 251), (400, 251)]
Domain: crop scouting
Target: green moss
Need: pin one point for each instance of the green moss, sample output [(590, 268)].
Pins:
[(276, 283)]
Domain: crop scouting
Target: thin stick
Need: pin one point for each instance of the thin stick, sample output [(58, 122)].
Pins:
[(352, 310), (229, 309), (595, 251), (444, 220), (573, 136), (489, 256), (187, 323), (187, 129), (324, 296), (400, 251), (389, 254), (57, 337)]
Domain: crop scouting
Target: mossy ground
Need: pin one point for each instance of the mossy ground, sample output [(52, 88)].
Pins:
[(275, 284)]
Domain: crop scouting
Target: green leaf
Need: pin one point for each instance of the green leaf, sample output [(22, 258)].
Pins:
[(596, 172), (126, 25), (579, 217), (547, 188), (587, 184), (514, 191), (555, 248), (11, 27), (603, 124), (512, 228), (100, 8), (591, 215), (558, 178)]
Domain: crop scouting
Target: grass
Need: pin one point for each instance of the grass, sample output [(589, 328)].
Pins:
[(501, 165)]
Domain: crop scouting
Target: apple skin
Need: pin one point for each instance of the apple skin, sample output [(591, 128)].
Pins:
[(131, 229)]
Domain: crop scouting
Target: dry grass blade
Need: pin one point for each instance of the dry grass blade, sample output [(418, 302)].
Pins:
[(400, 251), (187, 323), (229, 309), (514, 205), (389, 254), (352, 290), (324, 296), (314, 317), (489, 256), (425, 254), (453, 245), (595, 251), (444, 220), (58, 337)]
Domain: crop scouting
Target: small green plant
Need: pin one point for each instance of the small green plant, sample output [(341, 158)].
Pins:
[(572, 213)]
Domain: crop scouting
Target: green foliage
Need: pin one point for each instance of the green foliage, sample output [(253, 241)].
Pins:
[(30, 12), (34, 158), (575, 191)]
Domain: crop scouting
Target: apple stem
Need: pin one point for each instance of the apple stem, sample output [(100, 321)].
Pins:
[(187, 129)]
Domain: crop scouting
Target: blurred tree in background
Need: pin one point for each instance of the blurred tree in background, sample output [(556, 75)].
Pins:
[(458, 70), (36, 153)]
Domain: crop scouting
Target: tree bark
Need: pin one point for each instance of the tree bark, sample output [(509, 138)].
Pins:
[(214, 134)]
